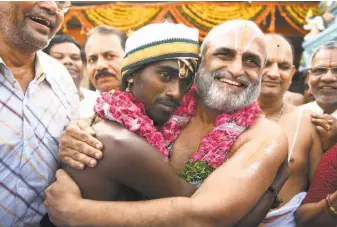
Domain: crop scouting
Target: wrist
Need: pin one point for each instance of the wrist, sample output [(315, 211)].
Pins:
[(332, 210), (80, 215)]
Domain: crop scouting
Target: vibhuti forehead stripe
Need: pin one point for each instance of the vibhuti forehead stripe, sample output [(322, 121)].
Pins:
[(242, 49)]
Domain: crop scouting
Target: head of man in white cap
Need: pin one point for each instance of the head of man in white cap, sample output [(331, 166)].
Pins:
[(159, 65)]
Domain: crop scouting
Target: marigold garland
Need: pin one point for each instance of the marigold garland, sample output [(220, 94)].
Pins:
[(203, 15)]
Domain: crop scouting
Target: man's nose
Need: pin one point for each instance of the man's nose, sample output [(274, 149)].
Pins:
[(101, 64), (67, 61), (273, 71), (329, 77), (174, 91), (236, 67)]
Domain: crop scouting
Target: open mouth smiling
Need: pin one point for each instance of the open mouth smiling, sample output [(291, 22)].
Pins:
[(42, 20), (230, 82)]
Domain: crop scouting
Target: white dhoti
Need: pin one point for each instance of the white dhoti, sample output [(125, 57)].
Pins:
[(285, 215)]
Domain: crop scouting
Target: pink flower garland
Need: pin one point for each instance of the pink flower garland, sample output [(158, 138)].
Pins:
[(126, 110)]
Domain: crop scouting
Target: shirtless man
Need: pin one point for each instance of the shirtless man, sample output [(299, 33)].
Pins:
[(233, 55), (305, 147), (158, 80)]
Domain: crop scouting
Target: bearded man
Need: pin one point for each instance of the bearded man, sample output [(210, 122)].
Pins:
[(223, 141)]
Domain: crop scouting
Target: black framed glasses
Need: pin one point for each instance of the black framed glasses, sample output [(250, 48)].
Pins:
[(320, 71), (64, 6)]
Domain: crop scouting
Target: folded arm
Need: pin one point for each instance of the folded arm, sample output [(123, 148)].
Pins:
[(260, 210), (129, 161), (222, 200)]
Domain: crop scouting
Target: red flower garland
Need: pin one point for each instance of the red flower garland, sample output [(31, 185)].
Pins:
[(124, 108)]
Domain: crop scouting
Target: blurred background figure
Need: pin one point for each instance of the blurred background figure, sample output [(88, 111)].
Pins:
[(67, 50)]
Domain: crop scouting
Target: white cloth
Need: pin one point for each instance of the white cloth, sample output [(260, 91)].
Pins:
[(286, 213), (87, 104), (314, 107)]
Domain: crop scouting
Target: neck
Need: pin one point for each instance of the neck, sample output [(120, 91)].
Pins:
[(328, 108), (270, 105), (17, 59), (205, 114)]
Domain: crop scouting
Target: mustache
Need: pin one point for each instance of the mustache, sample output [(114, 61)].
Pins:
[(168, 102), (243, 79), (103, 73), (43, 13)]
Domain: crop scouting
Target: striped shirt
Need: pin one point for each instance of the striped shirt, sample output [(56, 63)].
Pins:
[(30, 126)]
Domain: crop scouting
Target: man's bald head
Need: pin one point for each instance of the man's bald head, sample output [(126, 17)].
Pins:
[(232, 58), (242, 33), (280, 43), (279, 69)]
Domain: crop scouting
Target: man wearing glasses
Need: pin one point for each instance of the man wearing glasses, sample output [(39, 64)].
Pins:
[(323, 84), (38, 99)]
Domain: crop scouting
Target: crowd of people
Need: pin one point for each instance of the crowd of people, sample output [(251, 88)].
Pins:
[(176, 133)]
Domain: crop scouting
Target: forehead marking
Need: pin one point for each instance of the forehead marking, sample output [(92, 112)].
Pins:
[(243, 49)]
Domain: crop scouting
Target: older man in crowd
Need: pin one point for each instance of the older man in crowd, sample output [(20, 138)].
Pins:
[(320, 204), (228, 83), (323, 85), (38, 99), (305, 149)]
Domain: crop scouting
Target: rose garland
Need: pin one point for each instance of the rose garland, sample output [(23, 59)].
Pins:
[(124, 108)]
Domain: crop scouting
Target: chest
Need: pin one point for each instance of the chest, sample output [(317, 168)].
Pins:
[(299, 146), (32, 121), (188, 142)]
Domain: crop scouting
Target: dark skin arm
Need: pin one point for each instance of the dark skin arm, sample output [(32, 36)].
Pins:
[(260, 210), (130, 161), (317, 214)]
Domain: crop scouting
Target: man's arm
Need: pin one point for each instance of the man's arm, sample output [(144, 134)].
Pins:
[(129, 161), (315, 211), (260, 210), (326, 126), (316, 151), (317, 214), (223, 199)]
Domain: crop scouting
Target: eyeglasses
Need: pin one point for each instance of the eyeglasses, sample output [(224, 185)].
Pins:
[(320, 71), (63, 5)]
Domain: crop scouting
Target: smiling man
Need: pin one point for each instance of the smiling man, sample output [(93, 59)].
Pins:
[(223, 148), (305, 148), (323, 80), (38, 99), (66, 50)]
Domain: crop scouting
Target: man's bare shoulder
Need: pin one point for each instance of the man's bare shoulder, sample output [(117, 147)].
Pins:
[(294, 98), (119, 142), (264, 125), (106, 129), (298, 116), (261, 133)]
